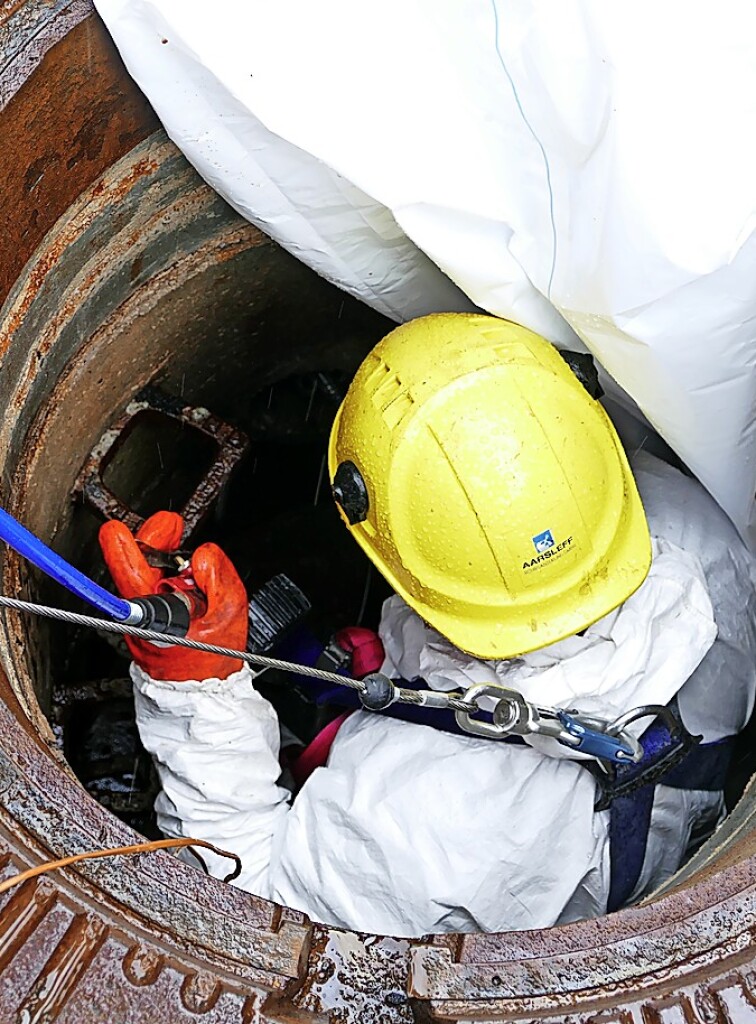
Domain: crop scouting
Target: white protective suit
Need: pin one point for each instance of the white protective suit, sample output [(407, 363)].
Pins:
[(574, 166), (409, 829)]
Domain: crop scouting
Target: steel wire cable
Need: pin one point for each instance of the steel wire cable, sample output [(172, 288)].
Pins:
[(403, 695)]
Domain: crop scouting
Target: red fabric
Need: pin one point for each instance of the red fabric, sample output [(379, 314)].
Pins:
[(365, 647), (225, 621), (315, 755), (367, 656)]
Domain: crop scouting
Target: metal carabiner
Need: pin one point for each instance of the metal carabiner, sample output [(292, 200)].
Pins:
[(512, 715), (663, 711), (595, 738)]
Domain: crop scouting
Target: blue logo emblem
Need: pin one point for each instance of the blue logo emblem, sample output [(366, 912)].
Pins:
[(543, 541)]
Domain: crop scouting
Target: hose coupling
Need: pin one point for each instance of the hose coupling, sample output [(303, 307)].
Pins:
[(162, 613)]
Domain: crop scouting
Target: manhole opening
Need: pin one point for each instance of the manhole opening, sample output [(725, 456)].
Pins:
[(276, 515), (278, 381), (158, 463)]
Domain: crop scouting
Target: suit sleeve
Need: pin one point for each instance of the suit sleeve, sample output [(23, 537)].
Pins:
[(215, 746)]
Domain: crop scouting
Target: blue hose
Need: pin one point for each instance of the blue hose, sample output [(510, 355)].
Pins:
[(31, 547)]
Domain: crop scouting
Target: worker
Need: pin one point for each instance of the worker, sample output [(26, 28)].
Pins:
[(490, 489)]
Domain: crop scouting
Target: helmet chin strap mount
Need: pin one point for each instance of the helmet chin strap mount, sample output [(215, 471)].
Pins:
[(350, 492)]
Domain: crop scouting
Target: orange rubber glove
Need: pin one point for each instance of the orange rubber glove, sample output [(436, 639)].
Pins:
[(224, 623)]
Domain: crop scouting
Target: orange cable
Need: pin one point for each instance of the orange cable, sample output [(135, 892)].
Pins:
[(146, 847)]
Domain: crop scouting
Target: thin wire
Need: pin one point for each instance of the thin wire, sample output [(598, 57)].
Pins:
[(155, 844), (178, 641), (403, 696)]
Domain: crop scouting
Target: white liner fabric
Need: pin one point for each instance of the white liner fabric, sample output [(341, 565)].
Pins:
[(409, 829), (584, 169)]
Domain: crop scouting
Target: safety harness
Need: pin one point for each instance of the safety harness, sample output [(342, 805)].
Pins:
[(626, 770)]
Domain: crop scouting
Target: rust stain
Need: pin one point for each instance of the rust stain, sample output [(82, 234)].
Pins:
[(112, 191), (200, 991), (142, 966), (63, 971), (81, 94), (22, 915)]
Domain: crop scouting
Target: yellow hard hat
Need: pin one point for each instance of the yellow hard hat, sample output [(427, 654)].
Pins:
[(486, 485)]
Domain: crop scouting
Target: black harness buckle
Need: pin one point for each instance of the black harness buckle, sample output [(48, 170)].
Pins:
[(333, 658)]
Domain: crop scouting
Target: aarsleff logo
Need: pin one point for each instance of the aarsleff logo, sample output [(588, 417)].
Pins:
[(547, 548), (543, 541)]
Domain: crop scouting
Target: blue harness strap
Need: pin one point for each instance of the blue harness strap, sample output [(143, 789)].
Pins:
[(704, 767), (629, 822), (303, 647)]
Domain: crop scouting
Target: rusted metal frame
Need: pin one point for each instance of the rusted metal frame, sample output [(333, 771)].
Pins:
[(47, 314), (721, 992), (94, 968), (706, 937), (231, 446)]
